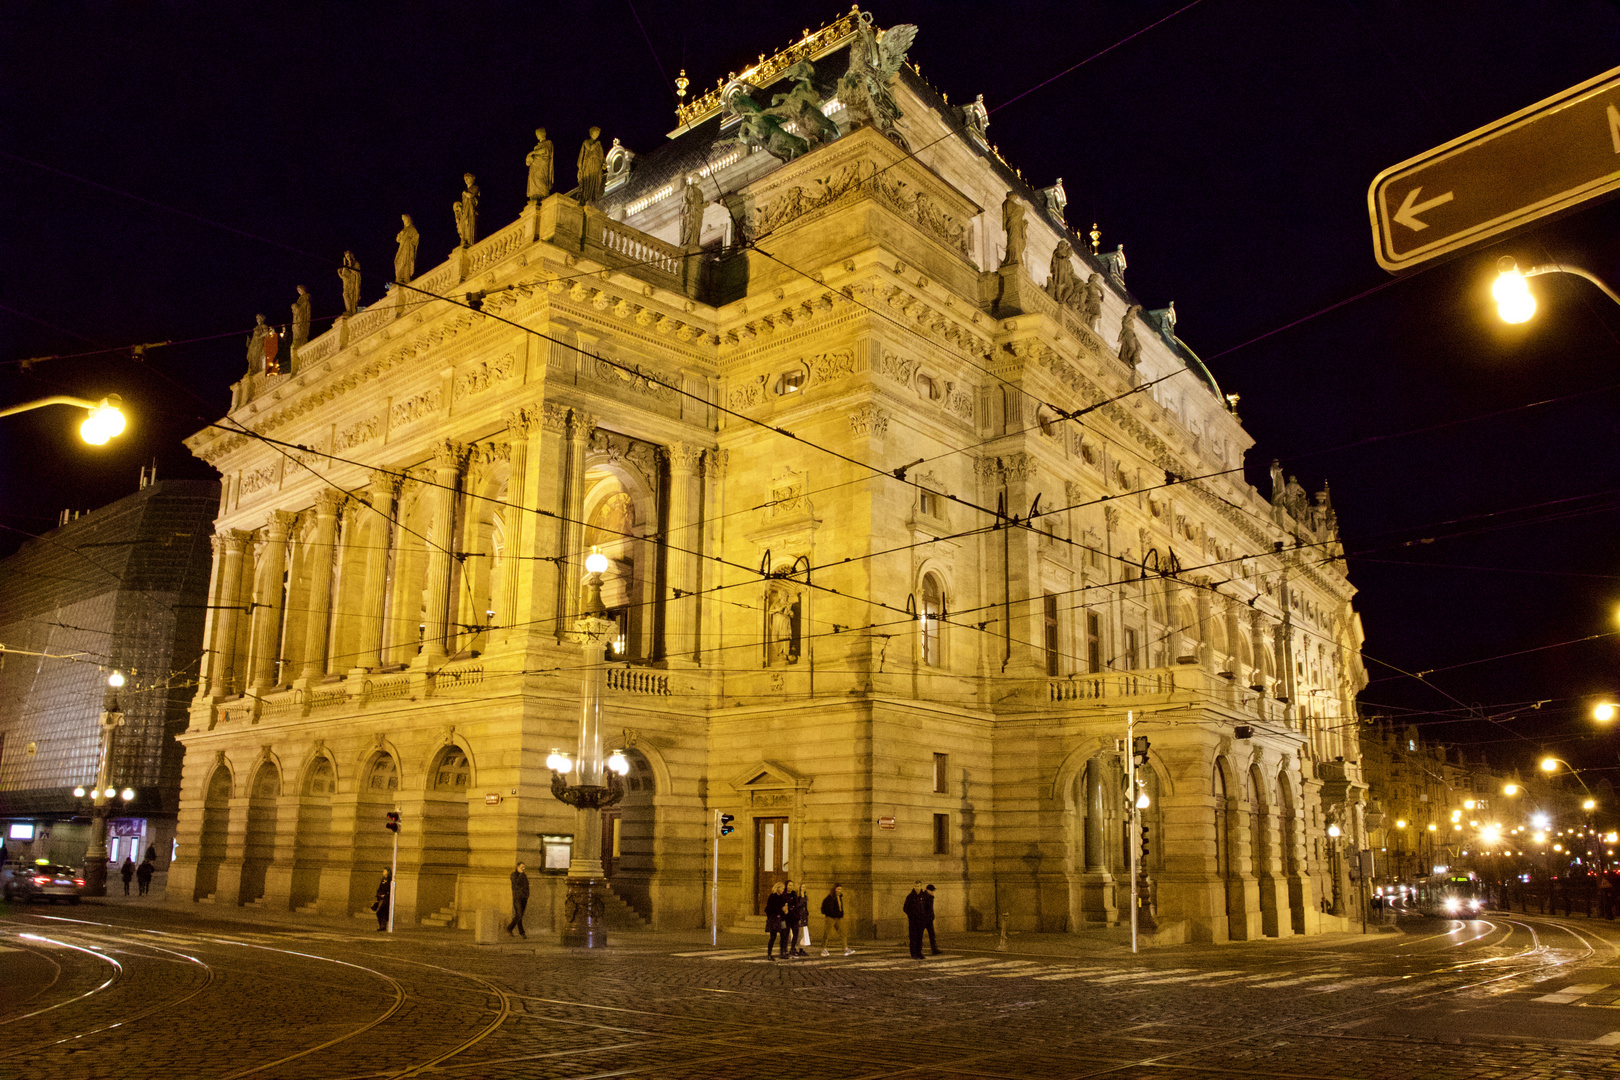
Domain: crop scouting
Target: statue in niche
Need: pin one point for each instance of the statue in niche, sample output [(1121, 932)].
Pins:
[(1091, 303), (300, 319), (1061, 281), (349, 272), (781, 628), (591, 181), (261, 348), (466, 211), (874, 59), (542, 163), (1130, 348), (405, 257), (1012, 220), (692, 206)]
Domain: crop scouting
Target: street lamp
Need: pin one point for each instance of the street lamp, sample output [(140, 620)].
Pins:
[(1511, 290), (1605, 711), (596, 784), (95, 855), (106, 417)]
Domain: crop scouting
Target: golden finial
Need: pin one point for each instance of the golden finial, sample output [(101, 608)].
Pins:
[(1096, 237), (681, 83)]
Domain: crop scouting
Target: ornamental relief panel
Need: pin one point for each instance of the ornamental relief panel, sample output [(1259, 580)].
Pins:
[(634, 378), (831, 366), (484, 375), (258, 479), (357, 434), (415, 408)]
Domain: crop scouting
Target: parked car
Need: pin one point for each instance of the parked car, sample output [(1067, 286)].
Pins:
[(42, 881)]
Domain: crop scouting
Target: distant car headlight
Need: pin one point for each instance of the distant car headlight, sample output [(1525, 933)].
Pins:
[(1453, 905), (1476, 904)]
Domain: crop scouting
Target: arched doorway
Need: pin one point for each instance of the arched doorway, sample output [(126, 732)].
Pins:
[(216, 823), (1288, 848), (444, 829), (1225, 857), (1095, 846), (1262, 849), (314, 833), (628, 851), (260, 840), (372, 844)]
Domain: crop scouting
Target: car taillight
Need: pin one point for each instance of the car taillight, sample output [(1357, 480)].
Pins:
[(42, 880), (79, 882)]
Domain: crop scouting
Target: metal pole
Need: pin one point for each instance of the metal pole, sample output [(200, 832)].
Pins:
[(393, 879), (715, 888), (1134, 838)]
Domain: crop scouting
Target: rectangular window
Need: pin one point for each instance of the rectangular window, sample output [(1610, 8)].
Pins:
[(1132, 655), (1051, 620), (942, 834), (942, 778), (555, 852), (1094, 657), (928, 503)]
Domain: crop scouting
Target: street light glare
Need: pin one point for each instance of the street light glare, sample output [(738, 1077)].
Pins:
[(1589, 804), (105, 421), (1549, 764), (1512, 292), (115, 680), (596, 563), (1604, 712)]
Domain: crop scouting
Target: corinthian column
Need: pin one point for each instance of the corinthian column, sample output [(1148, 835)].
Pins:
[(268, 599), (228, 604), (327, 505), (680, 628), (571, 561), (373, 605), (519, 425), (447, 461)]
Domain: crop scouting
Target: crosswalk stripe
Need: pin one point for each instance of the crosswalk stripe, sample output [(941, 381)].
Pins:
[(1570, 993), (718, 954), (1187, 978), (1298, 980), (1140, 975), (1611, 1039)]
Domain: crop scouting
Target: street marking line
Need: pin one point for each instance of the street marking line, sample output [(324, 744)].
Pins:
[(1570, 993), (1298, 980), (1142, 975), (1611, 1039), (1189, 978)]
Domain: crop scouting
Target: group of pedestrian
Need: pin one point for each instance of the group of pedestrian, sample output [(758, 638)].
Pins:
[(142, 874), (787, 917), (919, 909)]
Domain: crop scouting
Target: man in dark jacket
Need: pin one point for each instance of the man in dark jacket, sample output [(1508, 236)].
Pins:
[(775, 925), (832, 908), (916, 918), (520, 900), (928, 920), (143, 875), (795, 913)]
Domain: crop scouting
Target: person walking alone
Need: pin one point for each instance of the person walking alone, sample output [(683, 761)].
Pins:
[(798, 907), (775, 922), (928, 920), (127, 872), (385, 897), (916, 916), (832, 909), (520, 900), (143, 876)]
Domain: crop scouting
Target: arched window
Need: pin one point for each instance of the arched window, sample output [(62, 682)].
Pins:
[(321, 779), (381, 775), (452, 772), (929, 615), (266, 782), (219, 787)]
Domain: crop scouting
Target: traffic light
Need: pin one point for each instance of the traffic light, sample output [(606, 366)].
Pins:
[(725, 824), (393, 821), (1139, 749)]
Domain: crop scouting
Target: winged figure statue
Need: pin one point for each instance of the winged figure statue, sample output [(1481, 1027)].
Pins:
[(874, 58)]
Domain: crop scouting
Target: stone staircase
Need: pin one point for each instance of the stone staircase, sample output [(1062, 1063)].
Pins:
[(442, 918), (619, 915)]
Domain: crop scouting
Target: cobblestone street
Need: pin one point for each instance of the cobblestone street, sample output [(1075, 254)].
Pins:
[(107, 991)]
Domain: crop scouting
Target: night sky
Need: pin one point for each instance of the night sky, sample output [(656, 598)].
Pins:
[(170, 169)]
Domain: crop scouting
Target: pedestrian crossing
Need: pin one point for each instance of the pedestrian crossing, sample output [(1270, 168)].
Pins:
[(1600, 995)]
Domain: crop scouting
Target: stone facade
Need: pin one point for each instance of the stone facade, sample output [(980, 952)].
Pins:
[(886, 671)]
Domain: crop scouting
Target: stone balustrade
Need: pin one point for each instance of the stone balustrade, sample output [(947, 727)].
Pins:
[(632, 681), (1116, 685)]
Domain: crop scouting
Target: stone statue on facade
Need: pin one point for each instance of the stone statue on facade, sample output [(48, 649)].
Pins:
[(1091, 303), (1061, 281), (261, 348), (976, 118), (300, 319), (1012, 220), (349, 272), (780, 648), (1279, 487), (692, 206), (542, 162), (466, 211), (591, 180), (1130, 348), (874, 59), (1296, 500), (1114, 263), (405, 257)]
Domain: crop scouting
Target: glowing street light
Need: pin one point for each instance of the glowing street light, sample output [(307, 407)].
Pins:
[(106, 417), (1510, 789), (1511, 289), (1605, 711), (1549, 764)]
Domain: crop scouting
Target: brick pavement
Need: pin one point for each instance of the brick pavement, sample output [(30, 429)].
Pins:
[(235, 998)]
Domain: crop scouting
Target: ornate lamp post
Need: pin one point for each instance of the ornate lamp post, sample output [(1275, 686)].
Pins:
[(95, 857), (596, 782)]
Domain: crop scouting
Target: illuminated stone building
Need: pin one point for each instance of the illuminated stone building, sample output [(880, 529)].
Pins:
[(896, 538)]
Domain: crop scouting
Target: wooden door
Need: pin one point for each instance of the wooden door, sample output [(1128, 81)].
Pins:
[(770, 857)]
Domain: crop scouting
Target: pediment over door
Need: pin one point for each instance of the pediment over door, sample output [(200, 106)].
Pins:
[(769, 784)]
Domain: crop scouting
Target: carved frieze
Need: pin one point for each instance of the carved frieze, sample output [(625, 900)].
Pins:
[(747, 394), (259, 478), (416, 408), (484, 375), (800, 200), (359, 433), (917, 206), (959, 402), (868, 420), (830, 366), (632, 377), (899, 368)]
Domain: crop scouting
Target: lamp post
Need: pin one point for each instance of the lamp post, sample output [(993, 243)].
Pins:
[(95, 856), (1511, 290), (596, 783), (106, 417)]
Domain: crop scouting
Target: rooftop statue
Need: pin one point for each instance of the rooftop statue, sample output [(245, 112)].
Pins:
[(765, 129), (349, 272), (300, 319), (542, 162), (801, 105), (405, 257), (1012, 219), (466, 209), (1130, 348), (1114, 262), (1061, 282), (261, 351), (976, 118), (874, 58), (591, 181), (1091, 303), (692, 206)]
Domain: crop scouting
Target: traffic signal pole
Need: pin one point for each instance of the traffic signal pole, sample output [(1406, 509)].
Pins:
[(714, 889), (1130, 797), (393, 877)]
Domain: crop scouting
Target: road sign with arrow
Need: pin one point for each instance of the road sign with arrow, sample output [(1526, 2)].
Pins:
[(1540, 161)]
